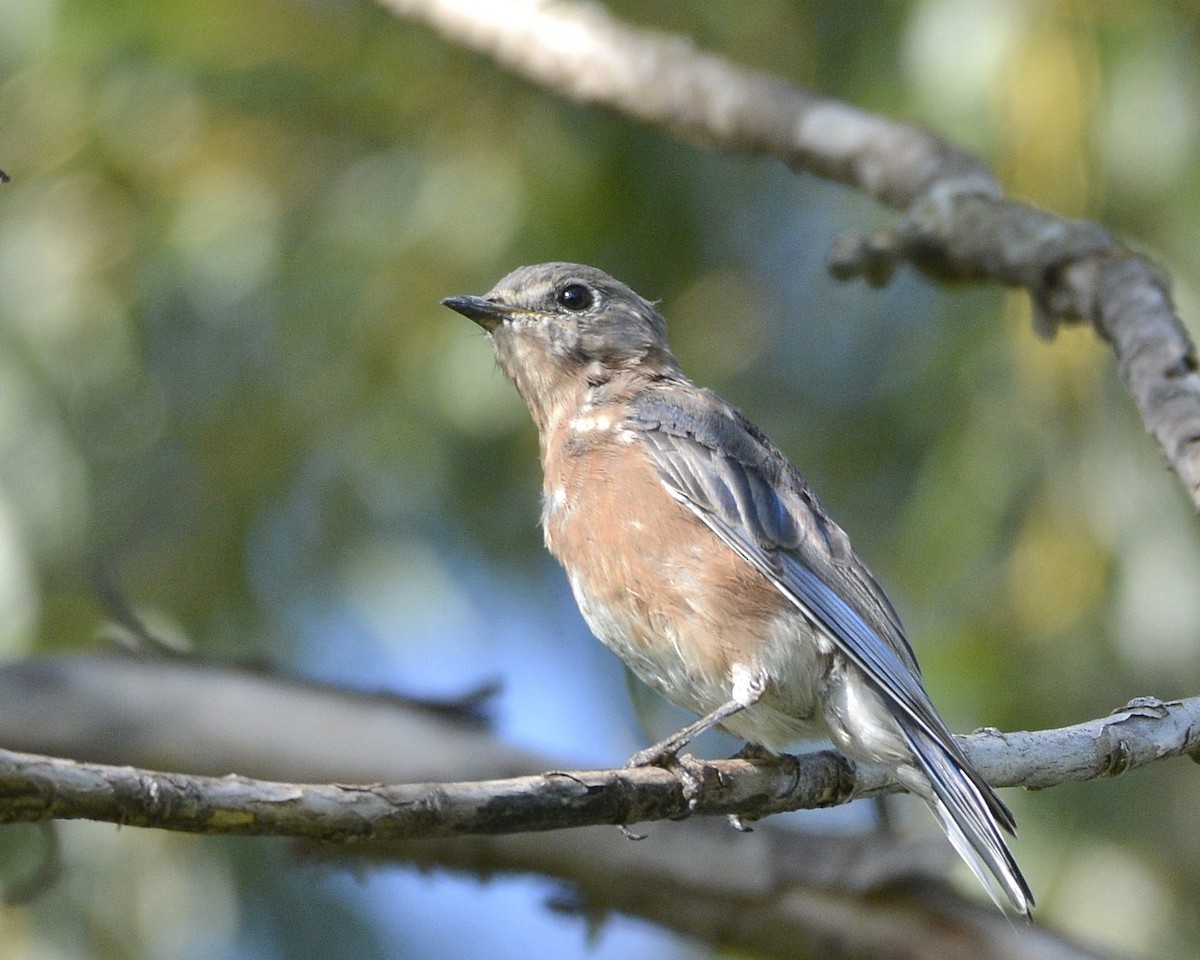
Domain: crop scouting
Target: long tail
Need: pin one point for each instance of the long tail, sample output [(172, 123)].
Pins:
[(972, 816)]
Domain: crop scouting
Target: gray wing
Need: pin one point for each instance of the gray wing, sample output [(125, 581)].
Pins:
[(712, 459), (740, 485)]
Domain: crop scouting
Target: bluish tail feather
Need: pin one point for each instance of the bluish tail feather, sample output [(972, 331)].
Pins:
[(972, 816)]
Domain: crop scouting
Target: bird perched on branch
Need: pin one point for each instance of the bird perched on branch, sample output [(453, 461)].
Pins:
[(699, 554)]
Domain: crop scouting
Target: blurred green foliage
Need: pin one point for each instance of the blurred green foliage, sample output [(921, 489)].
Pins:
[(226, 380)]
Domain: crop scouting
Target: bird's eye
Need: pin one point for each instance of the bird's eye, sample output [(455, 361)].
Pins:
[(575, 296)]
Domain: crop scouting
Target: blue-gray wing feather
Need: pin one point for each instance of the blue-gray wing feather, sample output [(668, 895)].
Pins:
[(738, 483)]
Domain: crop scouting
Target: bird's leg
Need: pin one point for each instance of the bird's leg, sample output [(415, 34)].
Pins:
[(688, 769), (748, 688), (668, 748)]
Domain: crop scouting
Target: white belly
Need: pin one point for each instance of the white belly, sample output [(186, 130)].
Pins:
[(791, 656)]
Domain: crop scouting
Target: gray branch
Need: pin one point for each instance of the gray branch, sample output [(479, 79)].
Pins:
[(779, 891), (956, 223), (34, 788)]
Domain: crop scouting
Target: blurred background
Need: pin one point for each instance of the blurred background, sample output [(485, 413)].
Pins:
[(225, 378)]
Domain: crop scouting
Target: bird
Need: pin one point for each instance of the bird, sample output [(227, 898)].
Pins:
[(699, 554)]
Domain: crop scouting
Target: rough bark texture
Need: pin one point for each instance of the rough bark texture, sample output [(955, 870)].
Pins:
[(34, 788), (778, 891)]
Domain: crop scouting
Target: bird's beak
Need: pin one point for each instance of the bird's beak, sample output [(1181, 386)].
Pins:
[(487, 313)]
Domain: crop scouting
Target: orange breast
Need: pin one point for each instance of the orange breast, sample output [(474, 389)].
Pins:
[(653, 582)]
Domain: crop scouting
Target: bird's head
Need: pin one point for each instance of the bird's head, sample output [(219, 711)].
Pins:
[(558, 328)]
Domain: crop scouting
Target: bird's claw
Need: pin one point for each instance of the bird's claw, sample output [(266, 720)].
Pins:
[(690, 770), (652, 757)]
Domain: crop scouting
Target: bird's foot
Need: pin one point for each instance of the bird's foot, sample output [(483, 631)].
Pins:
[(690, 770), (659, 755), (754, 751)]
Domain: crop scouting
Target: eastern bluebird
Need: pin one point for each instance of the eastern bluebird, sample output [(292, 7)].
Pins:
[(699, 554)]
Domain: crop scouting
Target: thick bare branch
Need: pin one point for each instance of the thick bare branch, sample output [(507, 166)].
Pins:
[(777, 887), (34, 788), (770, 893), (580, 51), (956, 222), (200, 717)]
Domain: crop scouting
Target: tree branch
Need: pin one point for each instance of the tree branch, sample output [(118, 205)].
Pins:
[(34, 788), (956, 222), (776, 892), (780, 891)]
